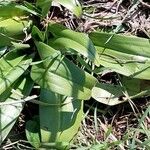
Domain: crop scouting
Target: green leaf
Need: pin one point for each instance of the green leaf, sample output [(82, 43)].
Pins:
[(44, 5), (12, 27), (37, 34), (65, 115), (125, 44), (33, 132), (10, 10), (10, 113), (80, 42), (126, 55), (13, 30), (60, 75), (29, 8), (11, 68), (107, 94), (115, 94), (65, 44), (72, 5)]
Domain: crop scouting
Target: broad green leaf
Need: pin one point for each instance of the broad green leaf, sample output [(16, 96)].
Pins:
[(61, 118), (33, 132), (9, 10), (10, 113), (11, 68), (80, 41), (31, 11), (44, 5), (13, 30), (37, 34), (72, 5), (125, 44), (75, 85), (115, 94), (107, 94), (61, 75), (30, 8), (65, 44), (129, 65), (46, 53), (14, 27), (126, 55)]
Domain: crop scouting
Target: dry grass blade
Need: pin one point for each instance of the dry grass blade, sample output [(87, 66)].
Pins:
[(111, 136)]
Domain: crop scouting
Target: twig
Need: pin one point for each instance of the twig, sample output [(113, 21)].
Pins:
[(29, 98), (32, 100), (145, 4)]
